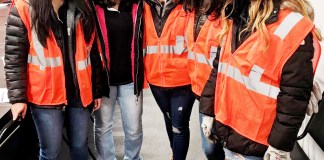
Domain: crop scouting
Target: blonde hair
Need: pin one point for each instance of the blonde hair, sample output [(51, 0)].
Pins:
[(260, 11)]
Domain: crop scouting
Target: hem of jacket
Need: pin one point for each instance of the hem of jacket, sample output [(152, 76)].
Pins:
[(59, 106), (17, 101), (235, 142), (209, 115)]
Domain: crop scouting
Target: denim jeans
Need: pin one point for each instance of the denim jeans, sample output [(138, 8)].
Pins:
[(131, 108), (212, 151), (229, 155), (49, 126), (176, 105)]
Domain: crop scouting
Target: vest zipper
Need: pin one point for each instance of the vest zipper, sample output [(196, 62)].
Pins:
[(160, 62), (63, 79), (72, 21)]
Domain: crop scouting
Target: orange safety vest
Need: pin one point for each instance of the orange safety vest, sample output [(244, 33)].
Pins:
[(248, 79), (201, 52), (165, 57), (45, 72)]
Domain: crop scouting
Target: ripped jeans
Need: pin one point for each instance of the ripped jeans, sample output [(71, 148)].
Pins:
[(176, 105)]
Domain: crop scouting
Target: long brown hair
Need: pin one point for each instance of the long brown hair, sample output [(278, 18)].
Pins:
[(42, 18), (205, 6), (260, 10)]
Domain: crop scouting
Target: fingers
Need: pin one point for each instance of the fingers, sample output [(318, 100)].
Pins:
[(266, 156), (312, 102), (97, 104), (15, 113), (18, 108), (207, 132), (24, 112), (315, 107), (317, 91), (308, 112)]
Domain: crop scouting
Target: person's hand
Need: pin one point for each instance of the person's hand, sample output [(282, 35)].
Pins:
[(207, 126), (97, 104), (316, 96), (17, 109), (275, 154)]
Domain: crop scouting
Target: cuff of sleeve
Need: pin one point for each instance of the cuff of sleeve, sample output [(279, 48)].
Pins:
[(18, 101), (283, 137)]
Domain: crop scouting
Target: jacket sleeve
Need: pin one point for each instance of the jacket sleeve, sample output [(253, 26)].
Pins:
[(98, 73), (295, 89), (207, 99), (16, 55)]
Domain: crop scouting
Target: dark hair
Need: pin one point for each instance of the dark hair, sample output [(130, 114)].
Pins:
[(43, 18), (87, 18), (205, 6), (235, 8)]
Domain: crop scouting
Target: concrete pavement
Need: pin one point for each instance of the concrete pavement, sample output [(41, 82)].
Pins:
[(156, 144)]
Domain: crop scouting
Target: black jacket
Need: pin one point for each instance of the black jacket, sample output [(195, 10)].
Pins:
[(160, 13), (295, 88), (138, 57), (16, 55)]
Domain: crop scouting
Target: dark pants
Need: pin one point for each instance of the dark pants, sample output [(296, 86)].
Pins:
[(49, 126), (176, 105), (30, 146)]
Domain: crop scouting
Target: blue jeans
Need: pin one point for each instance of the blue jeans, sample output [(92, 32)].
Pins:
[(229, 155), (49, 126), (176, 105), (212, 151), (131, 108)]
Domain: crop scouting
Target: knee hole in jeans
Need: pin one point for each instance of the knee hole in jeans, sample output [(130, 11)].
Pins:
[(180, 130)]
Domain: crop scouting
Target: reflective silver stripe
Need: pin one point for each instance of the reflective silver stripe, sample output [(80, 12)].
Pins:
[(198, 57), (213, 53), (201, 58), (168, 49), (40, 59), (252, 82), (288, 24), (50, 62), (165, 49), (179, 47), (151, 49), (83, 64), (39, 49), (191, 55)]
